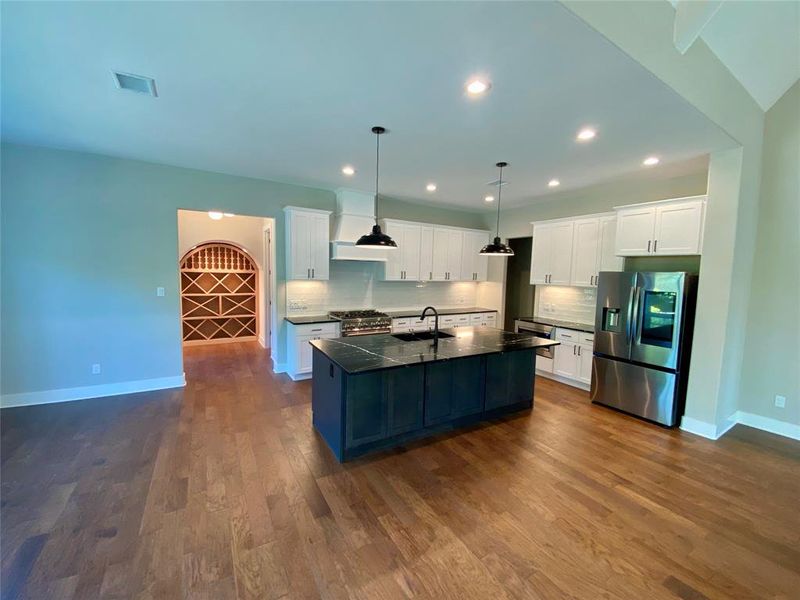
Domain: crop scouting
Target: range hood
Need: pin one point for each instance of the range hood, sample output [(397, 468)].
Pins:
[(354, 216)]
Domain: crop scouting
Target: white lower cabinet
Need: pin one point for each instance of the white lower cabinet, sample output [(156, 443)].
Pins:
[(299, 347), (573, 357)]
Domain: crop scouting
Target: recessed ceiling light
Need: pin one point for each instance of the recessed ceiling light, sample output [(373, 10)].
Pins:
[(553, 183), (476, 86), (489, 199), (651, 161), (215, 215), (586, 134), (135, 83), (348, 170), (431, 187)]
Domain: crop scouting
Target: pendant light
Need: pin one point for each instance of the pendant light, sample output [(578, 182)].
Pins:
[(376, 239), (497, 248)]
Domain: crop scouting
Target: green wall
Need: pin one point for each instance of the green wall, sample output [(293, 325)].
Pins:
[(86, 240), (772, 365)]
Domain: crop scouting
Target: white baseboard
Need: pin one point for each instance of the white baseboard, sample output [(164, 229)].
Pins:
[(262, 341), (698, 427), (775, 426), (91, 391), (712, 432), (299, 376), (278, 367)]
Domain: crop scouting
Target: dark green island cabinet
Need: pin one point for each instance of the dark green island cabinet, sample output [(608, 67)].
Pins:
[(376, 392)]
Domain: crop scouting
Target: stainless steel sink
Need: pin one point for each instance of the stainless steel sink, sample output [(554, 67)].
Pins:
[(420, 336)]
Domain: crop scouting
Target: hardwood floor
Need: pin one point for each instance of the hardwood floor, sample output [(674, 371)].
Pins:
[(222, 490)]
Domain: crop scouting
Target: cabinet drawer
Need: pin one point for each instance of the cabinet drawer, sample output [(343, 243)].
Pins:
[(401, 323), (568, 335), (462, 319), (316, 329), (476, 318), (586, 338)]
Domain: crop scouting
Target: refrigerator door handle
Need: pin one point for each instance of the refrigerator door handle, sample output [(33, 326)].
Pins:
[(636, 323), (629, 321)]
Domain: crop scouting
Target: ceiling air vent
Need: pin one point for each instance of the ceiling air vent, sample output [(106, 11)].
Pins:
[(136, 83), (496, 183)]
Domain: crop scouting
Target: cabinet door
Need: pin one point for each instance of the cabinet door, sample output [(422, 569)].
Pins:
[(393, 267), (584, 363), (540, 254), (455, 245), (565, 362), (300, 231), (441, 241), (411, 252), (404, 390), (677, 229), (561, 253), (635, 227), (469, 256), (426, 254), (585, 244), (453, 389), (509, 379), (365, 409), (481, 262), (304, 353), (607, 260), (320, 246)]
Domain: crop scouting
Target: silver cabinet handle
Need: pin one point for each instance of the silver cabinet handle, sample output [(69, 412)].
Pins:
[(430, 274), (320, 329), (312, 273), (309, 274), (579, 350), (566, 336), (573, 350), (648, 245), (655, 246)]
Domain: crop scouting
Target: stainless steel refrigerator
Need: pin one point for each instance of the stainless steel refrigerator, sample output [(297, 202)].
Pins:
[(642, 343)]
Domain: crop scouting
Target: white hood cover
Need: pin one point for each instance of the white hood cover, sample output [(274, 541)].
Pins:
[(354, 217)]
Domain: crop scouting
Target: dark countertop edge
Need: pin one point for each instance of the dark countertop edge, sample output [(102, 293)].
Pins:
[(310, 319), (543, 344), (585, 327), (399, 314)]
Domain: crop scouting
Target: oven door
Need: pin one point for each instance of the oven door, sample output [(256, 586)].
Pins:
[(546, 332)]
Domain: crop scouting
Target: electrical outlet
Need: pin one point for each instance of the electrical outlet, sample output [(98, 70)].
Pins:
[(96, 369), (780, 401), (159, 291)]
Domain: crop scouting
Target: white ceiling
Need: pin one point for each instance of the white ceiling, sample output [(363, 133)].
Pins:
[(289, 91), (759, 42)]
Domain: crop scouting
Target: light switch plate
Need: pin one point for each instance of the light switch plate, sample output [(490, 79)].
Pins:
[(96, 369), (159, 291), (780, 401)]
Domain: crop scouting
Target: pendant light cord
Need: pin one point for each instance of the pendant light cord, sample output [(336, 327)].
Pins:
[(499, 195), (377, 170)]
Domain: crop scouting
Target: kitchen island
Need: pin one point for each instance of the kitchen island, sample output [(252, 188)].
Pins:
[(379, 391)]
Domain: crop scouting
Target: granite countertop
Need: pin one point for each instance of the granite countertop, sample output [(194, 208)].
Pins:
[(556, 323), (310, 319), (361, 354), (416, 312)]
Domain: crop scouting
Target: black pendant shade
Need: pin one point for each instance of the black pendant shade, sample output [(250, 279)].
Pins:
[(497, 248), (376, 238)]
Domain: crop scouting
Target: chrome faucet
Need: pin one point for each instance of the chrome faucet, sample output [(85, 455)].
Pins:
[(435, 323)]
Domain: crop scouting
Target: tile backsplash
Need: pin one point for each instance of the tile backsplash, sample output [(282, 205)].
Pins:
[(355, 284), (566, 303)]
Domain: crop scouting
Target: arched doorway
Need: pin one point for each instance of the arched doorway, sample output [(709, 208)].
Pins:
[(219, 295)]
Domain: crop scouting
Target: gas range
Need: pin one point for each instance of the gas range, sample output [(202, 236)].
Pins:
[(362, 322)]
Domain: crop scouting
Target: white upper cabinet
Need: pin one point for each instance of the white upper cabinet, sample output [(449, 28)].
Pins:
[(593, 249), (404, 262), (447, 248), (474, 267), (426, 253), (551, 254), (307, 243), (607, 257), (666, 227)]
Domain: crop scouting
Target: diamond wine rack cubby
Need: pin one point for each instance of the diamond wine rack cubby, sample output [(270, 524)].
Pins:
[(218, 295)]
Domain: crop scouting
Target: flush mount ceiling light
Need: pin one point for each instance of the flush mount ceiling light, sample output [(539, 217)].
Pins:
[(553, 183), (497, 248), (135, 83), (489, 199), (431, 187), (348, 170), (376, 238), (651, 161), (477, 86), (215, 215), (586, 134)]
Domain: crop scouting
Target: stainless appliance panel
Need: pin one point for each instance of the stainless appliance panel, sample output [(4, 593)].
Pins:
[(546, 332), (638, 390), (613, 328), (658, 313)]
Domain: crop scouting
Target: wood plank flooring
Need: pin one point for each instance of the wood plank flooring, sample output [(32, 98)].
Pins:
[(222, 490)]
